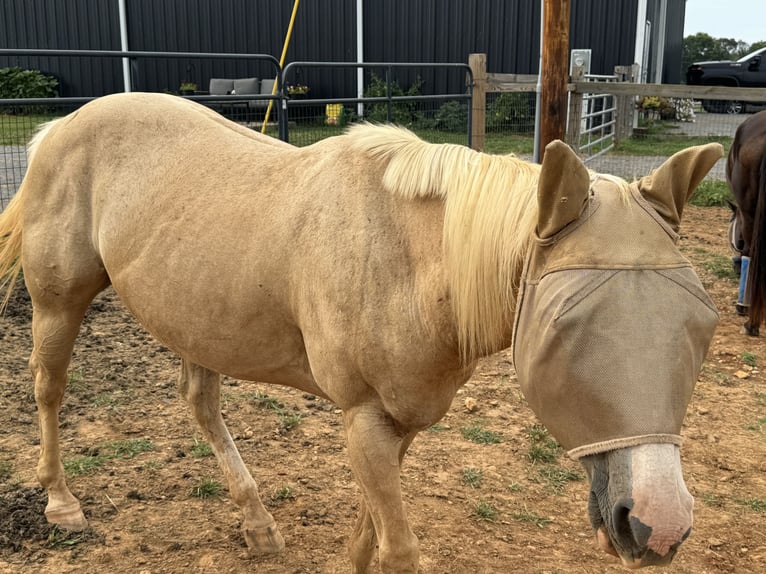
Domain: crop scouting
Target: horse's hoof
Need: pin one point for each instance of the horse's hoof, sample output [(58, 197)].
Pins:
[(69, 517), (751, 331), (264, 539)]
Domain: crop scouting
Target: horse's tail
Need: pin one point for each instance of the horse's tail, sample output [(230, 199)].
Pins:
[(756, 278), (11, 228)]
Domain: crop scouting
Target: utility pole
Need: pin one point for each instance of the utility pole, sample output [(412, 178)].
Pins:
[(554, 73)]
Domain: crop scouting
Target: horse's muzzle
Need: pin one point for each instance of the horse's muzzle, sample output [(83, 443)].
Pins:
[(639, 504)]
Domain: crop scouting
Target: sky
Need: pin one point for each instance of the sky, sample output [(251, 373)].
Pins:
[(739, 19)]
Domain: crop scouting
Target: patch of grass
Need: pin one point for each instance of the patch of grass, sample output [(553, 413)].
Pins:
[(556, 478), (711, 193), (485, 511), (754, 504), (480, 435), (532, 517), (129, 448), (86, 464), (660, 143), (75, 381), (201, 449), (750, 359), (720, 266), (106, 400), (61, 539), (472, 477), (713, 500), (267, 402), (544, 448), (756, 426), (283, 493), (18, 130), (77, 465), (438, 428), (515, 487), (206, 488), (761, 399), (288, 421)]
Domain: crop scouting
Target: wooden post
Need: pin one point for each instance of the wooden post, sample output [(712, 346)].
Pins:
[(624, 105), (478, 65), (555, 73), (575, 110)]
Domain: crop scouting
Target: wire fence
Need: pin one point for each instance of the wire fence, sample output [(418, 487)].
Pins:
[(653, 127)]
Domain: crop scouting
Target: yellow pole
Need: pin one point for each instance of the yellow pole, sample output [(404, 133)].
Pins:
[(281, 63)]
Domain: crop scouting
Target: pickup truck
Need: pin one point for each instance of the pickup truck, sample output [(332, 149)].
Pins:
[(747, 72)]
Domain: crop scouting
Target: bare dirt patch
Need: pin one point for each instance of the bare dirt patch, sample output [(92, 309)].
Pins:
[(478, 508)]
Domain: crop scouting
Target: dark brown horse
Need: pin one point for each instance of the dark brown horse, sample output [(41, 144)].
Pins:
[(746, 174)]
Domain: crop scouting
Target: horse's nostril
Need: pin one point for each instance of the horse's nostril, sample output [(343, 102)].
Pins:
[(622, 524)]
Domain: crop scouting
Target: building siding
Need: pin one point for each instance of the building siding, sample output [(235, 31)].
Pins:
[(508, 31)]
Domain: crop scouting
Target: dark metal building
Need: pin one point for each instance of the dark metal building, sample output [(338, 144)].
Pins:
[(508, 31)]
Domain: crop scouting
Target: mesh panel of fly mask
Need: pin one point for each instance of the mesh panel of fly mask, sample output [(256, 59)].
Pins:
[(611, 328)]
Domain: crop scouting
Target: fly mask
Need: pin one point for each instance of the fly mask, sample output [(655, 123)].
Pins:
[(612, 323)]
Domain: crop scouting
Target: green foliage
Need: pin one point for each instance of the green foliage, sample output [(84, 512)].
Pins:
[(86, 464), (511, 112), (750, 359), (703, 47), (206, 488), (18, 83), (531, 516), (452, 117), (754, 504), (201, 449), (287, 420), (543, 447), (720, 266), (711, 193), (556, 478), (18, 130), (402, 113), (61, 539), (480, 435), (472, 477), (283, 493), (485, 511)]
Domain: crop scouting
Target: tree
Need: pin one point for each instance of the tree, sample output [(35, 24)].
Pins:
[(702, 47)]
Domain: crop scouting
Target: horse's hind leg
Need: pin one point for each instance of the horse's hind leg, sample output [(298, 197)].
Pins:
[(56, 321), (201, 389)]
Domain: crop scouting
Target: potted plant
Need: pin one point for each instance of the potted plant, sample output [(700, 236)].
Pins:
[(187, 88), (297, 90)]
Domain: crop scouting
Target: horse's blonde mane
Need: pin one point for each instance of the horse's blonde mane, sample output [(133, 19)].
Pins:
[(490, 216)]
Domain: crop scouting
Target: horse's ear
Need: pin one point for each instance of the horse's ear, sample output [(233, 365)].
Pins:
[(671, 185), (562, 190)]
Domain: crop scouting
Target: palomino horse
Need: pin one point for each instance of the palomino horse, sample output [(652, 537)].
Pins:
[(374, 269), (746, 174)]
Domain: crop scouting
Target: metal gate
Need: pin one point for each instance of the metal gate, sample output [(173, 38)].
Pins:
[(19, 117)]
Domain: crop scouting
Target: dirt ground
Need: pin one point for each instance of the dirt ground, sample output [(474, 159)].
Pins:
[(476, 508)]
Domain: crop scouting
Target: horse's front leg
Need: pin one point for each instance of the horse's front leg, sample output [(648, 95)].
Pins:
[(201, 388), (375, 449)]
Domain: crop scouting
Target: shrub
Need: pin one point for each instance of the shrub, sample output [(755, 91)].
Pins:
[(403, 113), (17, 83), (452, 117), (512, 111)]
